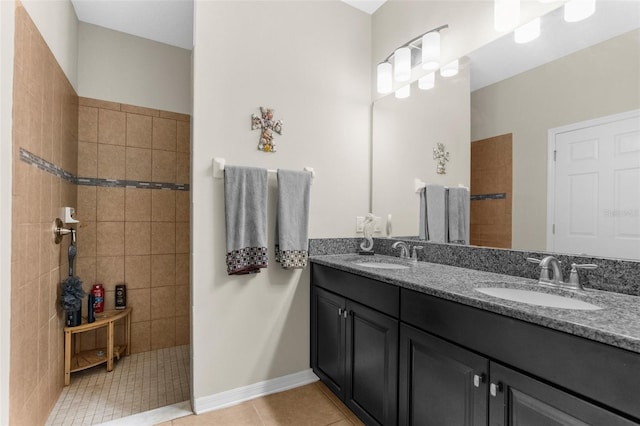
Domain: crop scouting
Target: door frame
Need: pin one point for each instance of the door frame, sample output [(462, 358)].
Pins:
[(551, 169)]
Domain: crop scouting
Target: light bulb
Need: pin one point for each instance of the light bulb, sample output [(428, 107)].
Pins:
[(577, 10), (450, 69), (385, 78), (402, 64), (427, 82), (527, 32), (403, 92), (431, 50)]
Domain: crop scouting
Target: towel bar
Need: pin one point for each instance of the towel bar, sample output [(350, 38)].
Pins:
[(218, 169), (418, 185)]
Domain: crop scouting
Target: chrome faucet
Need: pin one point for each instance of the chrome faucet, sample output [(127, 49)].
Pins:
[(404, 249), (551, 273)]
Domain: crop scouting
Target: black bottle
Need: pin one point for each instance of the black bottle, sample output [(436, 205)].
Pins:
[(91, 315), (121, 296)]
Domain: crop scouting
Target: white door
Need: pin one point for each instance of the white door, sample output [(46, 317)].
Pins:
[(596, 201)]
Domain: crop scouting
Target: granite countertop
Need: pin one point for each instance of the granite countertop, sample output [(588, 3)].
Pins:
[(617, 324)]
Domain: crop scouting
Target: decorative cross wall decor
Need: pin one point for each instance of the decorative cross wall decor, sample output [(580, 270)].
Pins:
[(442, 156), (268, 125)]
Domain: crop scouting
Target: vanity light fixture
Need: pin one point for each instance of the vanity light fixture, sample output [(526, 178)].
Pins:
[(385, 78), (506, 14), (450, 69), (577, 10), (431, 51), (427, 82), (403, 92), (401, 69), (528, 32), (402, 64)]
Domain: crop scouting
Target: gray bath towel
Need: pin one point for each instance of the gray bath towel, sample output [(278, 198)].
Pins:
[(459, 215), (245, 213), (437, 213), (292, 220), (424, 229)]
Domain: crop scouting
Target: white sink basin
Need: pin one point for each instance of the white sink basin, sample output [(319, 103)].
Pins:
[(382, 265), (538, 298)]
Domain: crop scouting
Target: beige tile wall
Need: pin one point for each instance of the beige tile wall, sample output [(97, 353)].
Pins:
[(136, 236), (45, 122)]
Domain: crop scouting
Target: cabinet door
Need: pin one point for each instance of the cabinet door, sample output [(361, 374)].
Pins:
[(372, 365), (328, 339), (440, 383), (520, 400)]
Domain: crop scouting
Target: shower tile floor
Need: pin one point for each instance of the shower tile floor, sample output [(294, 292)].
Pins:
[(138, 383)]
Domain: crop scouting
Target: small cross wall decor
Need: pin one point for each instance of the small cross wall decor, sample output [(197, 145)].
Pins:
[(442, 157), (267, 126)]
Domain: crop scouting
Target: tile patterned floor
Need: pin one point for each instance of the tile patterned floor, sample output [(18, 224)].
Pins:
[(310, 405), (139, 382)]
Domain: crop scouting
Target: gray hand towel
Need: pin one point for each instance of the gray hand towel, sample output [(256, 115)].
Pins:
[(459, 215), (437, 213), (292, 220), (245, 213)]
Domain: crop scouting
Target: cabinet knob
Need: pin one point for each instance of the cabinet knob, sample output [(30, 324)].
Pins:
[(340, 312), (494, 388), (345, 314), (477, 379)]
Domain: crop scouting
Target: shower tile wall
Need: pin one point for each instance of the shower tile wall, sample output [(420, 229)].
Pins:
[(133, 235), (45, 124)]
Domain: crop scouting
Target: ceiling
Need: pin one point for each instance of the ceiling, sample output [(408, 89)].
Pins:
[(166, 21)]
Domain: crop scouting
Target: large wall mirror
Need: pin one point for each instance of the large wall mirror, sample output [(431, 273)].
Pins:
[(502, 117)]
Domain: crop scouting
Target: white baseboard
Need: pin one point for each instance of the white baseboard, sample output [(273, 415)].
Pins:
[(238, 395)]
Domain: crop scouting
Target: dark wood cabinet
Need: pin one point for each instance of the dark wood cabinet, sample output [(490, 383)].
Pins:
[(328, 341), (354, 351), (519, 400), (397, 356), (440, 383), (444, 384)]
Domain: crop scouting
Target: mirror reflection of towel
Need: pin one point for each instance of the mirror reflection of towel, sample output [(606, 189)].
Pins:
[(245, 213), (292, 221), (437, 217), (423, 233), (459, 215)]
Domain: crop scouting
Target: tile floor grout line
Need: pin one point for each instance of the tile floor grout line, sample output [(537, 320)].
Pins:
[(96, 396)]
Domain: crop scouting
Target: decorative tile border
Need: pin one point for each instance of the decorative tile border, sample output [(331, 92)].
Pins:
[(123, 183), (479, 197), (48, 167)]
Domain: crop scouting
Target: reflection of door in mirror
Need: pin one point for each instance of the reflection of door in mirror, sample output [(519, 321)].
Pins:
[(491, 182), (594, 187)]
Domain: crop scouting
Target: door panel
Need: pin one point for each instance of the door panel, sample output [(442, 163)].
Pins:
[(372, 362), (596, 196), (329, 345), (524, 401), (437, 382)]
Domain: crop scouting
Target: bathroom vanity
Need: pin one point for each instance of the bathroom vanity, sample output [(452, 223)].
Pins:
[(421, 346)]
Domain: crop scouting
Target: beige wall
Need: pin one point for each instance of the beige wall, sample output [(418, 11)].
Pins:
[(57, 22), (594, 82), (405, 131), (132, 235), (45, 123), (119, 67), (6, 167), (309, 61)]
